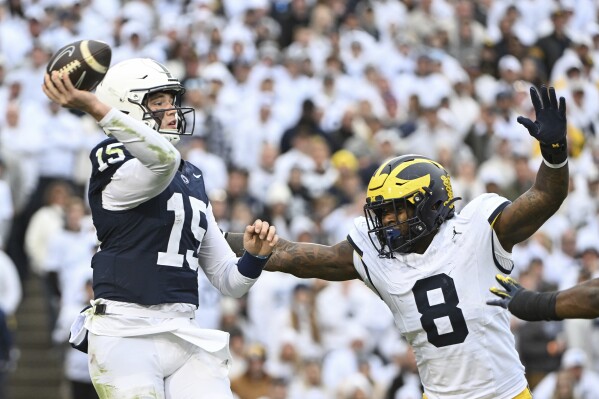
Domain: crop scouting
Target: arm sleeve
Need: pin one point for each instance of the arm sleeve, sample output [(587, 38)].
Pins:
[(220, 263), (149, 173)]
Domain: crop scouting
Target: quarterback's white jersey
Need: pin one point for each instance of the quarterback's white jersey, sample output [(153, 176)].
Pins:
[(464, 348)]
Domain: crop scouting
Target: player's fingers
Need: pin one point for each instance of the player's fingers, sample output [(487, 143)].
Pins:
[(506, 282), (67, 83), (498, 292), (250, 229), (47, 92), (562, 106), (274, 241), (272, 232), (552, 98), (263, 232), (256, 227), (545, 97), (49, 87), (536, 101), (497, 302), (57, 79)]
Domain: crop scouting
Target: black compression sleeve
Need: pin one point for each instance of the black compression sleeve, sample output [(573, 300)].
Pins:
[(534, 306)]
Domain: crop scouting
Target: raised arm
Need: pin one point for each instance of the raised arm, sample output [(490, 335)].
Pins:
[(527, 213), (306, 260)]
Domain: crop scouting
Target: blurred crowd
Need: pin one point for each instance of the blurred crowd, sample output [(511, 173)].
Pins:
[(297, 103)]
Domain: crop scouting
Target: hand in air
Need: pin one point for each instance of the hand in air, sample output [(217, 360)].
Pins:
[(260, 238), (59, 88), (512, 288), (550, 124)]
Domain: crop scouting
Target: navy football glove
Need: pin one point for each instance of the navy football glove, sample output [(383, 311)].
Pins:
[(522, 303), (512, 288), (550, 127)]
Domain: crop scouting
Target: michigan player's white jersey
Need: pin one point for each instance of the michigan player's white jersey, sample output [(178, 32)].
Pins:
[(464, 348)]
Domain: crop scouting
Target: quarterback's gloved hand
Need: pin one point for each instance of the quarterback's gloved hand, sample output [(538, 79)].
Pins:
[(550, 127), (522, 303), (512, 289)]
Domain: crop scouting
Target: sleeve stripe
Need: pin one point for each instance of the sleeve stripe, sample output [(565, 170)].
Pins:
[(356, 248), (361, 253), (498, 264), (497, 211), (370, 279)]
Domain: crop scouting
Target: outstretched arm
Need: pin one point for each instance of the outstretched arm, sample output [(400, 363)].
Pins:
[(306, 260), (527, 213), (578, 302)]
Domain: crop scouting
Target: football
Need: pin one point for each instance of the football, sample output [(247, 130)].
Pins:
[(84, 61)]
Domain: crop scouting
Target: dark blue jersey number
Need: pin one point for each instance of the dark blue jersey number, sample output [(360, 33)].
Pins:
[(449, 308)]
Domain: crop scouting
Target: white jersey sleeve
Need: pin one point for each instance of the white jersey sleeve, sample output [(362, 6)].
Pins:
[(464, 348), (220, 263), (145, 176)]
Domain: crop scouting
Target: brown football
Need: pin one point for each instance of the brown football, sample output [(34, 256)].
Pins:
[(85, 62)]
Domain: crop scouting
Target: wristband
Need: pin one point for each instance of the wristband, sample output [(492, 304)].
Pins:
[(534, 306), (552, 166), (251, 265), (555, 154)]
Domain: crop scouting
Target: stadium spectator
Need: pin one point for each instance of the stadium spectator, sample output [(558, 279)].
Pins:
[(255, 382), (308, 383), (585, 383), (548, 49), (150, 309), (45, 223)]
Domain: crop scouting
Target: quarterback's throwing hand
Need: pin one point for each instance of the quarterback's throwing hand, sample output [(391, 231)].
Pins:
[(58, 88), (512, 288), (260, 238)]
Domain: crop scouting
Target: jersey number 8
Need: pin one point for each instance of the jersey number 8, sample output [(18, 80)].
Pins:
[(448, 309)]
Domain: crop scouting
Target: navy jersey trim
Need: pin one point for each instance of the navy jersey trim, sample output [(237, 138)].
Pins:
[(497, 211), (361, 253), (491, 221), (497, 264), (369, 278), (356, 248)]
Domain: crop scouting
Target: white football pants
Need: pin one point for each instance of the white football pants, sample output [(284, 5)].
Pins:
[(157, 366)]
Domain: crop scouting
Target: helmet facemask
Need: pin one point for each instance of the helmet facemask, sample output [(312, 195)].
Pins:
[(399, 236), (154, 118)]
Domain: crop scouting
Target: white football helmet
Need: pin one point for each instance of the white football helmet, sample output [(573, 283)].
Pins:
[(127, 86)]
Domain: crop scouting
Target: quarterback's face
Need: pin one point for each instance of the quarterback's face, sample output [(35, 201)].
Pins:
[(164, 101)]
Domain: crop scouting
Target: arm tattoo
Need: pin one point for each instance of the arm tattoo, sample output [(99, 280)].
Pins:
[(235, 241), (306, 260), (527, 214)]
